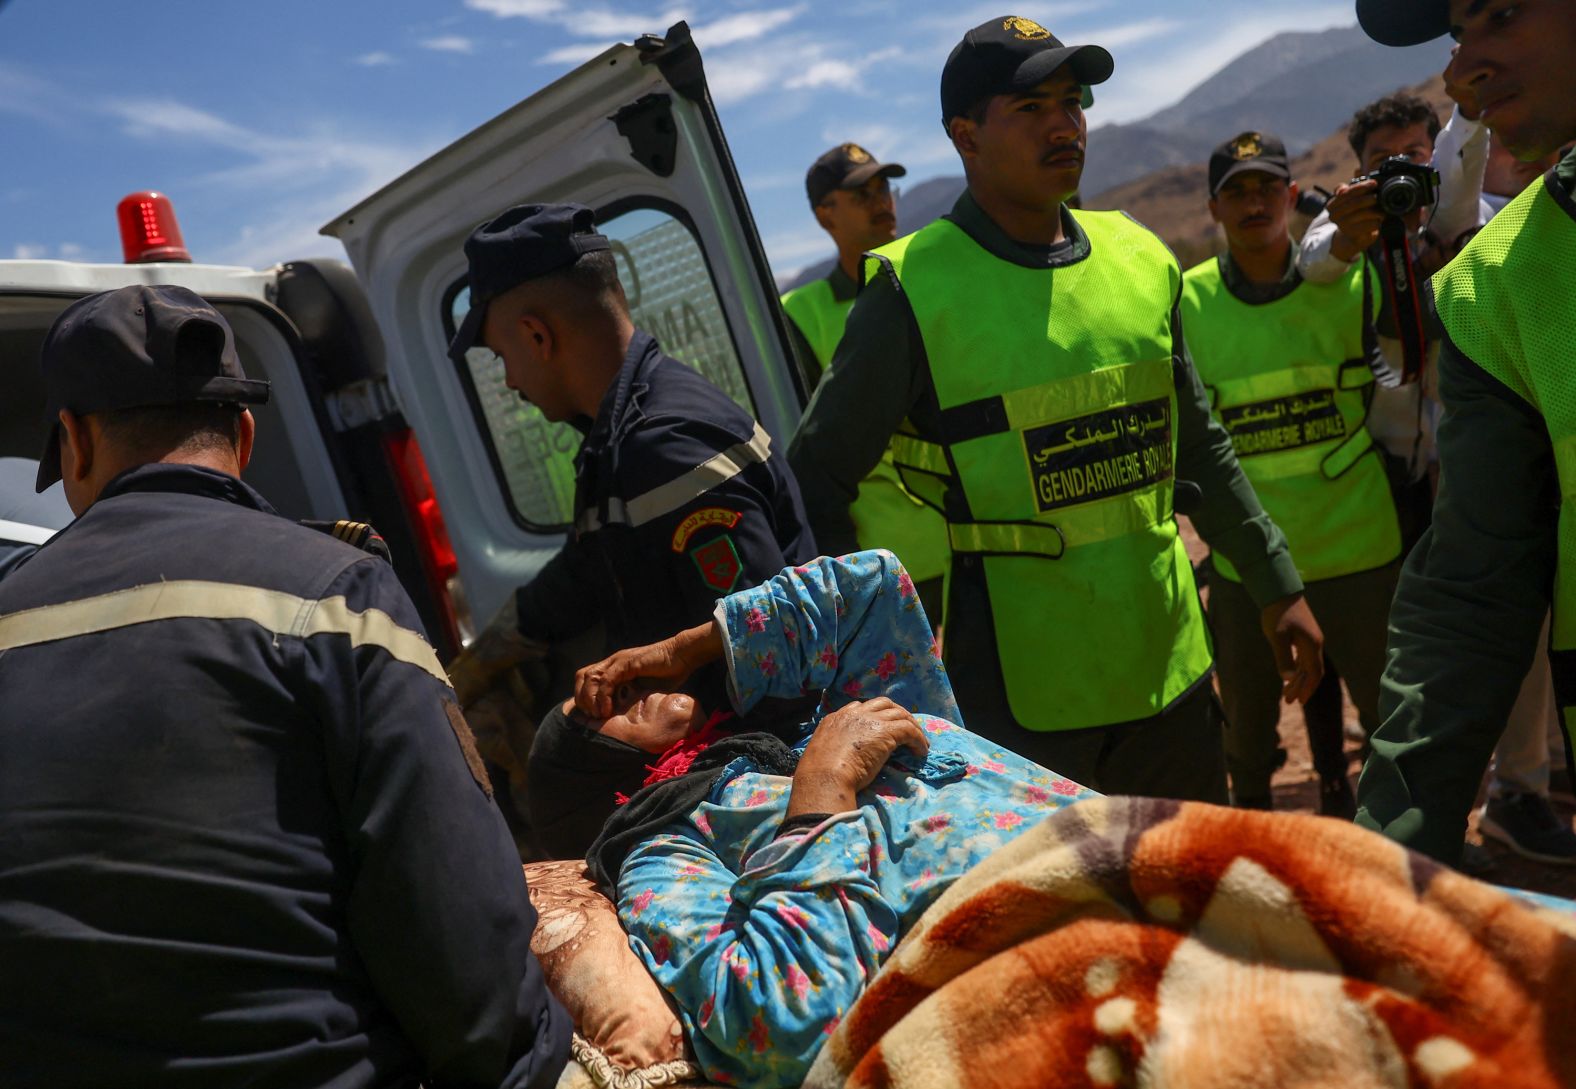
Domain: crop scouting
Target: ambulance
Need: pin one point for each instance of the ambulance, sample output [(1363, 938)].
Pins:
[(369, 419)]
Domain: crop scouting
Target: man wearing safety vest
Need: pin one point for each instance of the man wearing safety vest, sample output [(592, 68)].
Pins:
[(1036, 354), (1502, 548), (1287, 369), (853, 201)]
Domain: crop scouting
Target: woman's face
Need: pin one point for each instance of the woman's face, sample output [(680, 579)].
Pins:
[(650, 721)]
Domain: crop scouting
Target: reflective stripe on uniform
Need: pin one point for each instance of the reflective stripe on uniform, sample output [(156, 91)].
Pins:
[(23, 533), (913, 452), (1008, 539), (666, 498), (273, 610)]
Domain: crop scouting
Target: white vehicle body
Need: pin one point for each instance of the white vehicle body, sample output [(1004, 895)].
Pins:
[(631, 133)]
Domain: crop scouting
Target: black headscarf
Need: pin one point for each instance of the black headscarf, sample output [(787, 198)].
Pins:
[(654, 807), (571, 780), (575, 774)]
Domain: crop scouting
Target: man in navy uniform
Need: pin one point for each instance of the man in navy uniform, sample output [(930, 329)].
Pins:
[(679, 497), (244, 834)]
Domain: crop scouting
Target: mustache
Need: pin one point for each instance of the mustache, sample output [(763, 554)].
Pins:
[(1063, 151)]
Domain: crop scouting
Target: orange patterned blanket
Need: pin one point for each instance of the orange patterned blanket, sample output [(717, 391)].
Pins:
[(1141, 942)]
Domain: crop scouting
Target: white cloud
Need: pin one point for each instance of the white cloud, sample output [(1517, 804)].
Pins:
[(826, 73), (889, 142), (27, 96), (145, 117), (1152, 79), (527, 9), (876, 135), (1114, 37), (572, 54), (70, 251), (744, 26), (790, 251), (448, 43), (375, 59), (583, 22), (25, 251), (291, 183), (782, 179), (737, 76)]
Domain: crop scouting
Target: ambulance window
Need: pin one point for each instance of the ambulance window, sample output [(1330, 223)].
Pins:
[(671, 296)]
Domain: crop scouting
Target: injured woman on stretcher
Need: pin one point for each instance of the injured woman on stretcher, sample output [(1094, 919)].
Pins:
[(766, 865)]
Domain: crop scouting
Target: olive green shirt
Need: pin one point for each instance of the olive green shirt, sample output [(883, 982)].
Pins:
[(1470, 605), (1254, 294), (880, 374)]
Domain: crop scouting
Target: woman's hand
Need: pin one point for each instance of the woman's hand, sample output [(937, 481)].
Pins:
[(668, 662), (847, 752)]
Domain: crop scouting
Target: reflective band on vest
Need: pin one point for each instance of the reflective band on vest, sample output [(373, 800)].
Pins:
[(272, 610), (819, 316), (1290, 384), (1059, 439), (886, 514), (669, 497), (1507, 303)]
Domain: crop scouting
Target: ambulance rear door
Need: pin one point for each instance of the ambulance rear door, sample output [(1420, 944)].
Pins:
[(633, 134)]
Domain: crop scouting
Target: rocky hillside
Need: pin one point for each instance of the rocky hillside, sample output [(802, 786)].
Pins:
[(1298, 85), (1173, 201)]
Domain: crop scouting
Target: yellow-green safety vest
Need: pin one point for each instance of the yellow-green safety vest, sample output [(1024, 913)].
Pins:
[(1507, 303), (820, 316), (1290, 382), (885, 515), (1055, 464)]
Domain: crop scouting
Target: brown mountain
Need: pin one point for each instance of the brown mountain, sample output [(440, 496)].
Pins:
[(1173, 201)]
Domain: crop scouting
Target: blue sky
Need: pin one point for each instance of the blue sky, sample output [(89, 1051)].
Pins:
[(263, 120)]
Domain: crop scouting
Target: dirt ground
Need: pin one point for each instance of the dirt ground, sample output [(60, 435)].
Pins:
[(1296, 788)]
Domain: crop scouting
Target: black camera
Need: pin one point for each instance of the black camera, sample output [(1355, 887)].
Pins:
[(1404, 186)]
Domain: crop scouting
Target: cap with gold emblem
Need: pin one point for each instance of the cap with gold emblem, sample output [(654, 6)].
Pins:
[(846, 166), (1010, 54), (1244, 152)]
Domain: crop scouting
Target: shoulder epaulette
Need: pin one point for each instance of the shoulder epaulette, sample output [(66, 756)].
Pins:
[(355, 534)]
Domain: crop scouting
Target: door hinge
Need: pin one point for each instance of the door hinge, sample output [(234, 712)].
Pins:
[(653, 137)]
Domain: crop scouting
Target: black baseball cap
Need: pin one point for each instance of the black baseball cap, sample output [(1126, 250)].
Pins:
[(846, 166), (1404, 22), (1011, 54), (527, 241), (1244, 152), (149, 344)]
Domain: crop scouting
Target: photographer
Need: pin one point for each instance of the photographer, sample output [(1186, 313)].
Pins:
[(1399, 125), (1402, 416)]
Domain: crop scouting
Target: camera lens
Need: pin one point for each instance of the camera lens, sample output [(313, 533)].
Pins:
[(1398, 196)]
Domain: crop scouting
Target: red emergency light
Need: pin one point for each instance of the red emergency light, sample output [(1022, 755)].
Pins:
[(438, 561), (148, 231)]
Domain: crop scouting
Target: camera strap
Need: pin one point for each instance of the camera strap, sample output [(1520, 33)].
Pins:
[(1402, 294)]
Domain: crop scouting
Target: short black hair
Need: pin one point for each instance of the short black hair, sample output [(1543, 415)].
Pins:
[(155, 430), (594, 273), (1400, 110)]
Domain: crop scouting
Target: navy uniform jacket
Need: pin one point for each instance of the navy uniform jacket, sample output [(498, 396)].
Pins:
[(244, 838), (679, 500)]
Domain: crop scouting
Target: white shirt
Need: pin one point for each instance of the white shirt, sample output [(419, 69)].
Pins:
[(1460, 154), (1402, 418)]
